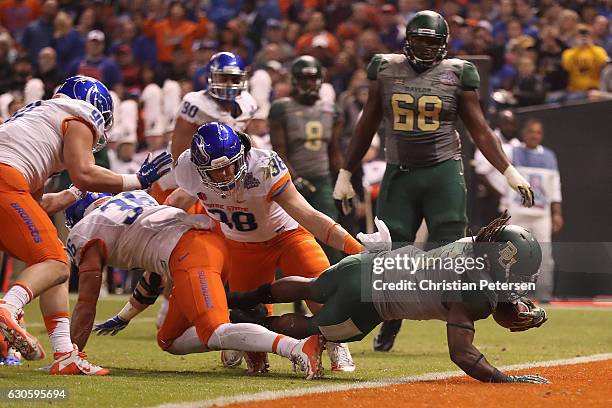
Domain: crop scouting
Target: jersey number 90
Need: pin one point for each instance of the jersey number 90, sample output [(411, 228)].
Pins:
[(427, 111)]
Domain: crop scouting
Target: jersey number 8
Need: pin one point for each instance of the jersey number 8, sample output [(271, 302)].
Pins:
[(428, 109), (314, 135)]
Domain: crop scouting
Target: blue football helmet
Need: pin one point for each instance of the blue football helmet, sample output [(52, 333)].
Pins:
[(214, 146), (94, 92), (84, 206), (226, 76)]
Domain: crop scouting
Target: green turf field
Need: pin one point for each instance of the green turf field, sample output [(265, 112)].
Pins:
[(143, 375)]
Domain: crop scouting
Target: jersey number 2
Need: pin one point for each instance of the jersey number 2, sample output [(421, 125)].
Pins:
[(427, 111)]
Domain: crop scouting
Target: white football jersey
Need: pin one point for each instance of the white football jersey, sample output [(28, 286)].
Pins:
[(249, 214), (32, 139), (136, 231), (199, 108)]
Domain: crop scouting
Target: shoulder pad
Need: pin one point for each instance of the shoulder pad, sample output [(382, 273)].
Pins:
[(377, 64), (247, 103), (278, 109), (469, 76)]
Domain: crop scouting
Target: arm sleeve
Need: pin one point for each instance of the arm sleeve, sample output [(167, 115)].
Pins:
[(276, 176), (470, 80), (374, 66), (277, 112)]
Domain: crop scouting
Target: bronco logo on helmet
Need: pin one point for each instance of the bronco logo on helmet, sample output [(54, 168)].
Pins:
[(216, 146)]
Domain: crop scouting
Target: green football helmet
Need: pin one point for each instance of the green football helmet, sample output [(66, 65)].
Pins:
[(514, 256), (306, 79), (426, 39), (512, 253)]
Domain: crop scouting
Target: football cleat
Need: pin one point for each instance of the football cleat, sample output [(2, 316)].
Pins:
[(231, 358), (340, 356), (12, 359), (17, 336), (385, 338), (257, 362), (306, 356), (74, 363)]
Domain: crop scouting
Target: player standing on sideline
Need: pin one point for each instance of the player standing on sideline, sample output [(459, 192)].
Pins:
[(41, 139), (266, 222), (501, 254), (131, 230), (416, 98), (305, 131)]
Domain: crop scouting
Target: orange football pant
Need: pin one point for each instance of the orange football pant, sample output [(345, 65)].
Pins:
[(27, 232), (198, 296), (295, 252)]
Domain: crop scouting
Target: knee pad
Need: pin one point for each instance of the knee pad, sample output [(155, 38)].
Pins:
[(215, 340)]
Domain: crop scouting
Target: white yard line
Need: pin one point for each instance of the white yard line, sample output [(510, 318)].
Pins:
[(272, 395)]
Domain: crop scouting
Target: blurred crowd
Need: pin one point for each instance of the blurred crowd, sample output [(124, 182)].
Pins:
[(151, 52)]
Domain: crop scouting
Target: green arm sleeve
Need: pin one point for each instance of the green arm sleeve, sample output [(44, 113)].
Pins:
[(374, 66), (469, 76)]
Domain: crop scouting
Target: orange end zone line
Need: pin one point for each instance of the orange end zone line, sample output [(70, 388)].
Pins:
[(321, 389), (582, 303)]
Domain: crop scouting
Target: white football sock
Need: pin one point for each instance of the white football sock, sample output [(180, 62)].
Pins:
[(187, 343), (250, 337), (17, 296), (58, 329)]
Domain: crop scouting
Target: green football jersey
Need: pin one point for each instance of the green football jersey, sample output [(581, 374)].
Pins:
[(309, 130), (420, 110)]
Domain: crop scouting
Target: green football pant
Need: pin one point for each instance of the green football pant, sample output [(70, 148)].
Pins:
[(436, 193), (344, 316)]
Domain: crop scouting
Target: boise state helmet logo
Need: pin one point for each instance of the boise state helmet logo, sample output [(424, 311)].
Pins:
[(200, 156)]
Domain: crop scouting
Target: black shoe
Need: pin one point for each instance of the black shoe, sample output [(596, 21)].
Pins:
[(386, 336)]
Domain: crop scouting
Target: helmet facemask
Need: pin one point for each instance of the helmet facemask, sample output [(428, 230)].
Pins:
[(100, 143), (424, 48), (512, 253), (224, 188), (306, 85), (227, 84)]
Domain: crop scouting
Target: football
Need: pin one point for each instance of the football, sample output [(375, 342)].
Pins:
[(507, 313)]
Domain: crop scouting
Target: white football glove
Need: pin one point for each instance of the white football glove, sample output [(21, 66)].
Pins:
[(343, 191), (377, 241), (520, 185)]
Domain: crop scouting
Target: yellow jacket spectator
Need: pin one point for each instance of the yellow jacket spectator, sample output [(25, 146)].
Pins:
[(584, 62)]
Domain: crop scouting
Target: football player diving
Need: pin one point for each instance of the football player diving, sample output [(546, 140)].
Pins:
[(357, 295)]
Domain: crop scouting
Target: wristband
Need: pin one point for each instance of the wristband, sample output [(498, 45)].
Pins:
[(351, 245), (499, 377), (130, 182), (513, 176), (76, 192), (128, 312)]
